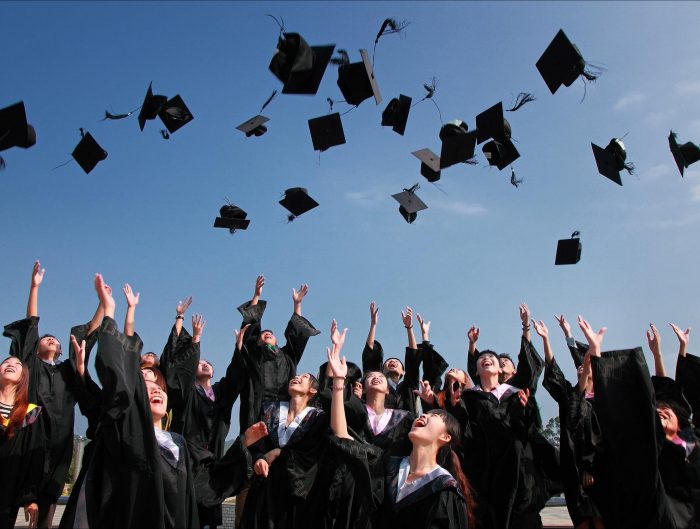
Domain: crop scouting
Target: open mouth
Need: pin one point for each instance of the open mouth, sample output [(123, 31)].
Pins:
[(9, 369), (375, 382), (295, 380), (420, 422), (156, 399)]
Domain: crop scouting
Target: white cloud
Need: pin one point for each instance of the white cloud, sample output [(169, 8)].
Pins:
[(688, 88), (656, 172), (458, 207), (661, 116), (629, 100), (366, 198)]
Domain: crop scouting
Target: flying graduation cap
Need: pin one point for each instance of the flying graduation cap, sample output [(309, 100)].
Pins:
[(429, 164), (684, 155), (491, 124), (568, 250), (254, 126), (88, 153), (458, 143), (357, 82), (562, 63), (409, 203), (612, 160), (326, 131), (14, 129), (297, 65), (395, 114), (297, 201), (232, 218)]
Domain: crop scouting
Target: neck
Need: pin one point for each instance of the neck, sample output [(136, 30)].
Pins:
[(204, 382), (489, 381), (375, 400), (297, 403), (7, 393), (47, 358), (157, 423), (423, 459), (394, 377)]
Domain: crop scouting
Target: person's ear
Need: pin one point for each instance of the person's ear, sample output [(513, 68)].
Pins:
[(445, 437)]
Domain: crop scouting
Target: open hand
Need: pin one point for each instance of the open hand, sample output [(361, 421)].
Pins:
[(654, 340), (131, 299), (407, 317), (240, 334), (254, 433), (182, 306), (373, 313), (79, 350), (541, 329), (37, 278), (298, 295), (594, 339)]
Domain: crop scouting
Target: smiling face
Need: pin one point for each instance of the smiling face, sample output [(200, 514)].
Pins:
[(507, 366), (149, 360), (669, 421), (393, 366), (376, 382), (267, 338), (488, 364), (148, 375), (158, 400), (204, 370), (429, 428), (304, 384), (11, 371), (49, 348), (456, 375)]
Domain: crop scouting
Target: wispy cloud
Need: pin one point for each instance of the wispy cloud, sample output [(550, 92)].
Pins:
[(655, 172), (367, 198), (629, 100), (660, 116), (458, 207), (688, 88)]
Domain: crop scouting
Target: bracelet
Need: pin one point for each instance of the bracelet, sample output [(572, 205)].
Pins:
[(179, 317), (526, 327), (409, 327), (338, 388)]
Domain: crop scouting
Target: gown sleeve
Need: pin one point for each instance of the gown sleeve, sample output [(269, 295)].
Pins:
[(228, 388), (688, 377), (530, 367), (372, 359), (216, 480), (24, 335), (434, 365), (555, 382), (178, 363), (252, 315), (297, 333)]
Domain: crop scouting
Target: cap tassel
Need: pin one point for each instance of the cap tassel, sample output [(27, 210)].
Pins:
[(389, 26), (513, 179), (629, 167), (109, 115), (575, 234), (430, 89), (269, 99), (342, 60), (523, 99), (280, 25), (82, 132), (472, 161), (165, 134)]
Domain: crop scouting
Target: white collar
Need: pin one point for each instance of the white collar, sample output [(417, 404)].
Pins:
[(404, 489), (284, 433)]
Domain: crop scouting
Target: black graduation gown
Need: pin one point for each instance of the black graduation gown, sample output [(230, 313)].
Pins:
[(22, 466), (401, 396), (130, 481), (688, 378), (434, 365), (580, 445), (265, 373), (438, 504), (51, 387), (492, 449), (288, 497)]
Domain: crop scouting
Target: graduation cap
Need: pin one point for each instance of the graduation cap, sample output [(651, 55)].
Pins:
[(14, 129), (491, 124), (326, 131), (612, 160), (297, 201), (88, 153), (684, 155), (568, 250), (396, 114), (298, 66), (254, 126), (410, 203), (232, 218), (562, 63), (174, 114), (357, 82), (151, 106), (457, 143), (430, 164), (500, 153)]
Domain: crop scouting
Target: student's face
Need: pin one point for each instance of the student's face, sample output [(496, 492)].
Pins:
[(11, 371), (301, 385), (376, 381), (393, 365), (488, 364), (506, 366), (49, 348), (158, 400), (456, 375), (267, 338), (669, 421), (148, 375), (427, 429), (149, 360), (204, 369)]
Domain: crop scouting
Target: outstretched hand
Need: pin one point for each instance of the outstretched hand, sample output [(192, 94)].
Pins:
[(131, 299), (198, 323), (524, 314), (473, 334), (425, 391), (254, 433), (683, 336), (561, 320), (373, 313), (37, 274), (594, 339), (79, 350), (240, 335), (298, 295), (654, 340), (338, 338), (182, 306), (259, 284), (424, 326), (541, 329), (104, 294), (524, 397), (407, 317), (338, 365)]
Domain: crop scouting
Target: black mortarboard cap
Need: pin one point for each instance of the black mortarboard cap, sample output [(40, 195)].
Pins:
[(396, 114), (457, 144), (568, 251), (88, 153), (232, 217), (491, 124), (300, 66), (430, 164), (410, 204), (500, 153), (326, 131), (357, 82), (608, 163), (298, 201), (151, 106), (14, 129), (561, 63), (684, 155), (174, 114), (254, 126)]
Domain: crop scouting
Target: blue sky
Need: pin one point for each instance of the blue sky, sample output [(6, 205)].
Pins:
[(145, 214)]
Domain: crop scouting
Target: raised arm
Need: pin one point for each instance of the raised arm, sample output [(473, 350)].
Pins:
[(543, 332), (37, 278), (299, 329), (259, 284), (577, 349), (180, 310), (339, 369), (683, 339), (298, 297), (654, 340), (525, 320), (407, 318), (373, 319), (472, 336), (595, 339), (131, 301), (198, 323)]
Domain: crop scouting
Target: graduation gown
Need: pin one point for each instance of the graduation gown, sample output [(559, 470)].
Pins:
[(265, 372), (131, 481), (22, 464), (288, 497), (580, 445), (400, 396), (52, 388), (437, 504)]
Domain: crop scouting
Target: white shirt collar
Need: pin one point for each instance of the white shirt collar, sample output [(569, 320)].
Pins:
[(284, 433), (404, 489), (378, 423)]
